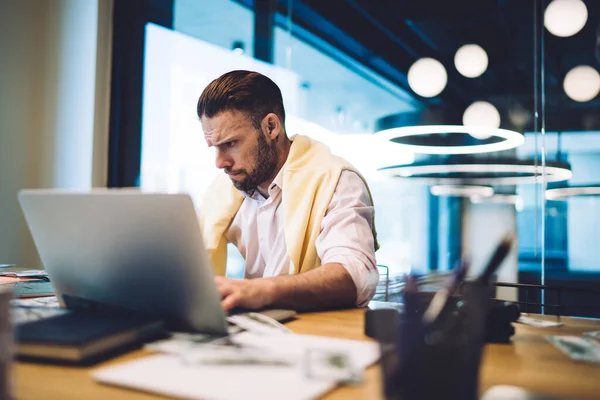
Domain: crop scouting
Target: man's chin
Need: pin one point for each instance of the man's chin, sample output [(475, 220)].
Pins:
[(240, 185), (238, 177)]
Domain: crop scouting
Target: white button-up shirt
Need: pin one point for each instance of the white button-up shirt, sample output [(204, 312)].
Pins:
[(346, 234)]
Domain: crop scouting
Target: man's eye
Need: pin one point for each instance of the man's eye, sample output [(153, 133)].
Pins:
[(229, 144)]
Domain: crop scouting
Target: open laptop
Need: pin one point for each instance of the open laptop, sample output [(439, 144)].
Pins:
[(128, 249)]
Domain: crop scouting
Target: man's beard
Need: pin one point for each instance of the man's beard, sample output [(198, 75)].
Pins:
[(265, 163)]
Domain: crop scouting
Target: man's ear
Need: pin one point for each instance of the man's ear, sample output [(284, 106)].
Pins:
[(271, 126)]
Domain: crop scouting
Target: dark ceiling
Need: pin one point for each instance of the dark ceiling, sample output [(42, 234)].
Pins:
[(389, 35)]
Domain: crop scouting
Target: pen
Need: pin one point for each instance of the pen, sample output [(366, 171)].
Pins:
[(442, 298)]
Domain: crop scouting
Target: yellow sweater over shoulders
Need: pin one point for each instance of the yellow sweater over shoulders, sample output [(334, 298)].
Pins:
[(310, 177)]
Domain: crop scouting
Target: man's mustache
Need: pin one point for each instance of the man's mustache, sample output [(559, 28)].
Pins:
[(230, 171)]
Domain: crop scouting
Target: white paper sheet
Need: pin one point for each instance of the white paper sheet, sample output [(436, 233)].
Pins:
[(171, 375)]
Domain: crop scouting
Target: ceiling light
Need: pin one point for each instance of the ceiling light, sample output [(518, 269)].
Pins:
[(506, 139), (564, 192), (471, 60), (582, 83), (427, 77), (498, 198), (514, 199), (565, 18), (482, 114), (439, 130), (486, 172), (238, 47), (461, 190)]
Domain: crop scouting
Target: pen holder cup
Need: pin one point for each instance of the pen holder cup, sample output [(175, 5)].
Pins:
[(441, 359)]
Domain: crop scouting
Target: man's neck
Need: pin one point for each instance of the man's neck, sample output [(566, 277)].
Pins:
[(263, 188)]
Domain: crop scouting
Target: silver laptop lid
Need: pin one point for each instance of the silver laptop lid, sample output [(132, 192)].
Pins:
[(125, 248)]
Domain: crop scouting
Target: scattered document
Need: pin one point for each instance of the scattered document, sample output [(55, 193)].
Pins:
[(593, 334), (292, 367), (577, 348), (31, 273), (539, 323), (258, 323), (385, 305), (49, 302), (20, 315)]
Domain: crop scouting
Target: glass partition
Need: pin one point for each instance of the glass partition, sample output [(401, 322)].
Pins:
[(469, 120), (570, 55)]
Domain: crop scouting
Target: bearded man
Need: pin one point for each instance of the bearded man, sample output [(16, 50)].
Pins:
[(301, 217)]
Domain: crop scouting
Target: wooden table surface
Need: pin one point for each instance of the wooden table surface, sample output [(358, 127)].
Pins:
[(529, 362)]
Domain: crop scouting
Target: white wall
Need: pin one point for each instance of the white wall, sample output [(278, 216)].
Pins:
[(484, 225), (54, 76)]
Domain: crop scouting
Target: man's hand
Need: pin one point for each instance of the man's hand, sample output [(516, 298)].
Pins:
[(327, 286), (244, 293)]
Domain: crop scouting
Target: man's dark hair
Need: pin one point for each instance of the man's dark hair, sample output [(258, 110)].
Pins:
[(246, 91)]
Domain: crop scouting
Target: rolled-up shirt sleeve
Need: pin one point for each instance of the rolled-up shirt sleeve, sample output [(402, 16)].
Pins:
[(347, 235)]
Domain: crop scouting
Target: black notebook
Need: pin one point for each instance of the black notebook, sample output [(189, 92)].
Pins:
[(85, 337)]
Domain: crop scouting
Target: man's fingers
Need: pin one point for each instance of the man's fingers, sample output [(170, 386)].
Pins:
[(230, 301), (224, 289)]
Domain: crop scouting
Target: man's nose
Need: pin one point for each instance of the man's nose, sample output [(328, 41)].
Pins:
[(222, 160)]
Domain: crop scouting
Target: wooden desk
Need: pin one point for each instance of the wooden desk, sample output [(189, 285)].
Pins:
[(530, 362)]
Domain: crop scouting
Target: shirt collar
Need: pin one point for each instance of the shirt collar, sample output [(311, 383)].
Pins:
[(278, 181), (254, 195)]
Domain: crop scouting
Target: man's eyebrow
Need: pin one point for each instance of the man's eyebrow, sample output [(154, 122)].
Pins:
[(223, 141)]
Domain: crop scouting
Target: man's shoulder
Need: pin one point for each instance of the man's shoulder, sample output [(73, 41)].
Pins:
[(220, 184), (220, 190), (317, 157)]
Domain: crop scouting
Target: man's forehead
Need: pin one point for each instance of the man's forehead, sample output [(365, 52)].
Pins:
[(214, 138), (217, 133), (223, 125)]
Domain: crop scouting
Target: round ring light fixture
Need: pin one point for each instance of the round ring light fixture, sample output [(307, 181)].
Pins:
[(502, 139), (498, 198), (461, 190), (511, 199), (571, 191), (484, 172), (441, 131)]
